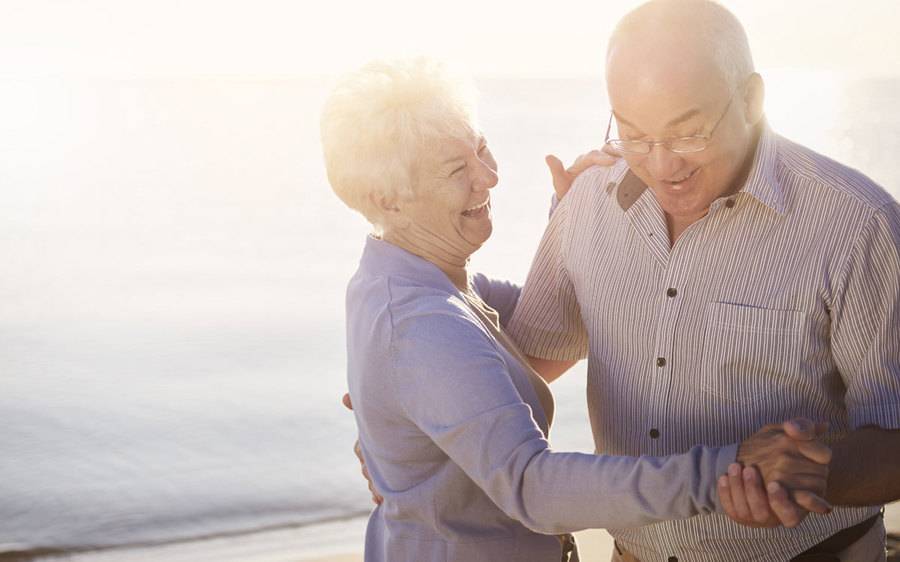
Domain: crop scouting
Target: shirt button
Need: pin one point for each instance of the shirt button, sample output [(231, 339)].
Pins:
[(672, 292), (728, 203), (610, 185), (654, 433), (660, 361)]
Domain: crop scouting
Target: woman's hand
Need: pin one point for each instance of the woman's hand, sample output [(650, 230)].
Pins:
[(780, 476), (376, 498), (564, 177)]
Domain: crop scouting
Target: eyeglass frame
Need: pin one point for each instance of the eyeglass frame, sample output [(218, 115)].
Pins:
[(665, 143)]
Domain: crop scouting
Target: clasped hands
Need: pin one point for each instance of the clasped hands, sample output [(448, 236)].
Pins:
[(779, 477)]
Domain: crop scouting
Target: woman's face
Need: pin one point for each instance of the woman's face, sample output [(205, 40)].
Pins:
[(451, 209)]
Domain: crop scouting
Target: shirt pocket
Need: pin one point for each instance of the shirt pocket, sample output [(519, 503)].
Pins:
[(749, 351)]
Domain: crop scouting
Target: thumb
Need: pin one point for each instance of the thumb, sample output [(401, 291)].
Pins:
[(562, 181), (346, 401), (800, 429)]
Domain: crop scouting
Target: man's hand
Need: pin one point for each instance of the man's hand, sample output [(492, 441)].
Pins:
[(794, 467), (357, 450), (563, 177), (746, 502)]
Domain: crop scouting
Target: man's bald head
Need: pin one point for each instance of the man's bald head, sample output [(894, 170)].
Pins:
[(685, 28), (682, 68)]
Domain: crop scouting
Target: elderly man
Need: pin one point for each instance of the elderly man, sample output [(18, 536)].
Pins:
[(719, 278)]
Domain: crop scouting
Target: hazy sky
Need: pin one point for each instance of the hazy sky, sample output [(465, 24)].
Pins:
[(165, 37)]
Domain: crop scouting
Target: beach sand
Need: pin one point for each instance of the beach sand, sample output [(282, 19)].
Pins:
[(336, 541), (596, 544), (593, 544)]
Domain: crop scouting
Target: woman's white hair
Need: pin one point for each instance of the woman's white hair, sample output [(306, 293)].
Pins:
[(378, 121), (718, 31)]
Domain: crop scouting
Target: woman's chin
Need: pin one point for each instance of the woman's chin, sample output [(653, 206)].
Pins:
[(478, 238)]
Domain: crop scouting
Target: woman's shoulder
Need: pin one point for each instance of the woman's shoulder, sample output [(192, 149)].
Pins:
[(409, 303)]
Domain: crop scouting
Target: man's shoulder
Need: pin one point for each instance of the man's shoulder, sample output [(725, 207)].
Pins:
[(823, 177), (599, 181)]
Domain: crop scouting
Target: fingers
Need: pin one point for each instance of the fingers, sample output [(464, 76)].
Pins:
[(562, 181), (738, 498), (812, 502), (757, 499), (725, 497), (785, 510), (346, 401), (563, 177), (357, 450), (751, 493), (592, 158), (815, 451), (608, 149), (376, 497), (800, 429), (804, 430)]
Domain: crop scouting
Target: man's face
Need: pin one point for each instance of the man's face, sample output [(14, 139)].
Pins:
[(659, 95)]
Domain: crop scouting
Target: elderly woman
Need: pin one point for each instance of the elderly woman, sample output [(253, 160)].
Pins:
[(452, 421)]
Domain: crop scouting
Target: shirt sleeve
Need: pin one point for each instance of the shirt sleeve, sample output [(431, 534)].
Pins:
[(499, 294), (865, 316), (547, 322), (454, 385)]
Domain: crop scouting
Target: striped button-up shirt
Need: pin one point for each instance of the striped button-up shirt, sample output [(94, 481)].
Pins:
[(783, 301)]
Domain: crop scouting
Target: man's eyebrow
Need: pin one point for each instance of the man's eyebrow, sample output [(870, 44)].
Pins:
[(624, 121), (677, 121), (683, 117)]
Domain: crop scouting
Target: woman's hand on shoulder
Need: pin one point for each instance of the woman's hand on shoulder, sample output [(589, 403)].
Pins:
[(563, 178)]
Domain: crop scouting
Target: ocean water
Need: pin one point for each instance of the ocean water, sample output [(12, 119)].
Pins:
[(171, 328)]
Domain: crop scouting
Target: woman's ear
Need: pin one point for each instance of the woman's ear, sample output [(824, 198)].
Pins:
[(754, 98), (389, 209)]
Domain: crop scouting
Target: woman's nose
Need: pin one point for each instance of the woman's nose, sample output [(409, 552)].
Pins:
[(487, 177)]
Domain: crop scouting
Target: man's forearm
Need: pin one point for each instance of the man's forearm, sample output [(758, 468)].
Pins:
[(865, 468)]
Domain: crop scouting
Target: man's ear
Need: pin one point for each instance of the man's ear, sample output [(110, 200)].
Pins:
[(754, 99)]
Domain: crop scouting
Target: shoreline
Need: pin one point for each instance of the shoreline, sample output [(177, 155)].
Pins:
[(333, 541), (328, 540)]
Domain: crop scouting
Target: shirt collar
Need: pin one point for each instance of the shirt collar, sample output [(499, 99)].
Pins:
[(383, 258), (762, 183)]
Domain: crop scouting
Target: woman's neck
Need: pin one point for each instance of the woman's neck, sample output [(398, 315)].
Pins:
[(452, 261)]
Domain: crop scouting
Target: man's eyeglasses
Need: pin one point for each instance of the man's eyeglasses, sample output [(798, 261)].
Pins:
[(679, 145)]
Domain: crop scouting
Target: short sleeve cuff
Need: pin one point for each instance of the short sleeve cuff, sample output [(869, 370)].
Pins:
[(548, 345)]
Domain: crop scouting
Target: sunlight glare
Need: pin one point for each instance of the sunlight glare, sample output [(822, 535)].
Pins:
[(802, 105)]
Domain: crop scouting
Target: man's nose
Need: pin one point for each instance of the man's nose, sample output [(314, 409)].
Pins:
[(662, 163)]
